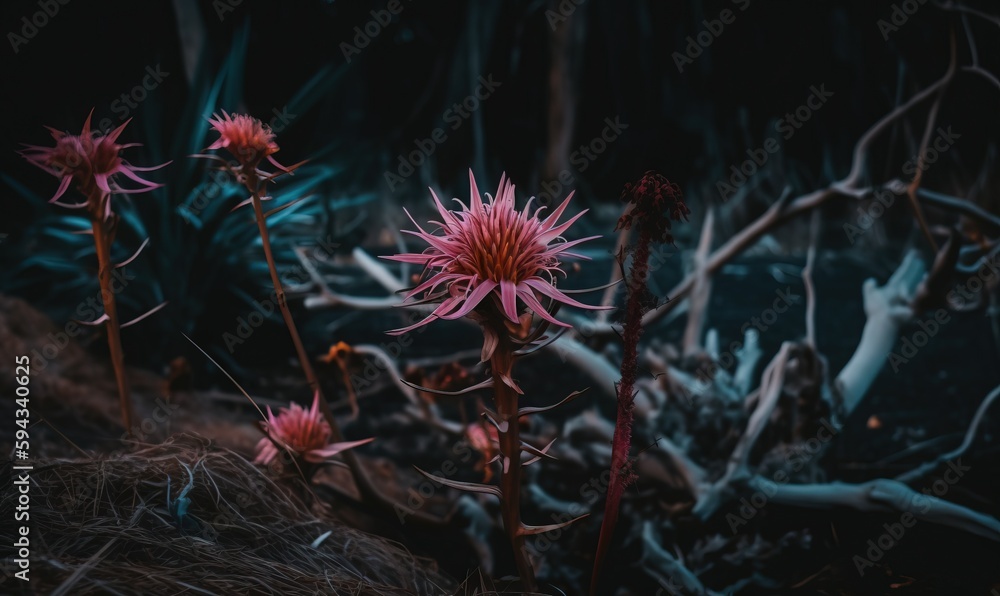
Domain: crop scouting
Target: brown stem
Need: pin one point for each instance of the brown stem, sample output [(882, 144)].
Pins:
[(102, 242), (505, 397), (366, 489), (286, 314)]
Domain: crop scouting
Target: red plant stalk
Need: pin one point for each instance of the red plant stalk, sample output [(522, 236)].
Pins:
[(91, 162), (251, 142), (501, 364), (621, 469), (655, 202), (102, 242), (336, 435), (487, 260)]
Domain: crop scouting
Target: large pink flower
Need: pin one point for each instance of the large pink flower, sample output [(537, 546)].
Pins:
[(491, 251), (303, 432), (91, 160)]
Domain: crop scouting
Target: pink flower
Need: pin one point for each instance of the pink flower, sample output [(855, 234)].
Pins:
[(490, 256), (91, 160), (247, 138), (303, 432)]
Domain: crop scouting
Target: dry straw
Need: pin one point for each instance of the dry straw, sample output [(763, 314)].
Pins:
[(106, 526)]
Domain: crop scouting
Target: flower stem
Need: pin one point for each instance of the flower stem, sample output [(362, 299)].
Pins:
[(365, 487), (505, 397), (621, 472), (102, 242), (286, 314)]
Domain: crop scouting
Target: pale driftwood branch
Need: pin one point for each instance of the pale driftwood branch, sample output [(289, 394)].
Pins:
[(748, 355), (970, 435), (737, 470), (378, 271), (666, 568), (329, 298), (597, 367), (780, 211), (885, 496), (567, 348), (701, 290), (911, 190), (966, 208), (888, 309), (390, 369), (807, 280)]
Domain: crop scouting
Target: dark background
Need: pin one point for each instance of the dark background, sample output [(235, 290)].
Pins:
[(559, 80), (604, 60), (690, 125)]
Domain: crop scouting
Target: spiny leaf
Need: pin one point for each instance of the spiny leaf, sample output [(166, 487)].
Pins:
[(463, 486)]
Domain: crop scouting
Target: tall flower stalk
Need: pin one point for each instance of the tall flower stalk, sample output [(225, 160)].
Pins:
[(250, 142), (653, 203), (492, 263), (92, 161)]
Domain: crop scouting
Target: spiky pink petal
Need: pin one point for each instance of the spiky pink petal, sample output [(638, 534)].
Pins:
[(92, 161), (490, 249), (304, 432)]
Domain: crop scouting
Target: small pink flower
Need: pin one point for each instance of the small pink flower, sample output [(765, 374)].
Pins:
[(482, 437), (247, 138), (489, 255), (303, 432), (91, 160), (485, 439)]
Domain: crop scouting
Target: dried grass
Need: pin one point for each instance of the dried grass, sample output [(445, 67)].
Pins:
[(104, 527)]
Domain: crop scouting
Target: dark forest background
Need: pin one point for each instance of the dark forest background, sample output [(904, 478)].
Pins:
[(564, 68)]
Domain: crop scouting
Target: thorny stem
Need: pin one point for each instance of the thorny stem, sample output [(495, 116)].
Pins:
[(361, 480), (335, 433), (102, 242), (505, 397), (621, 472)]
